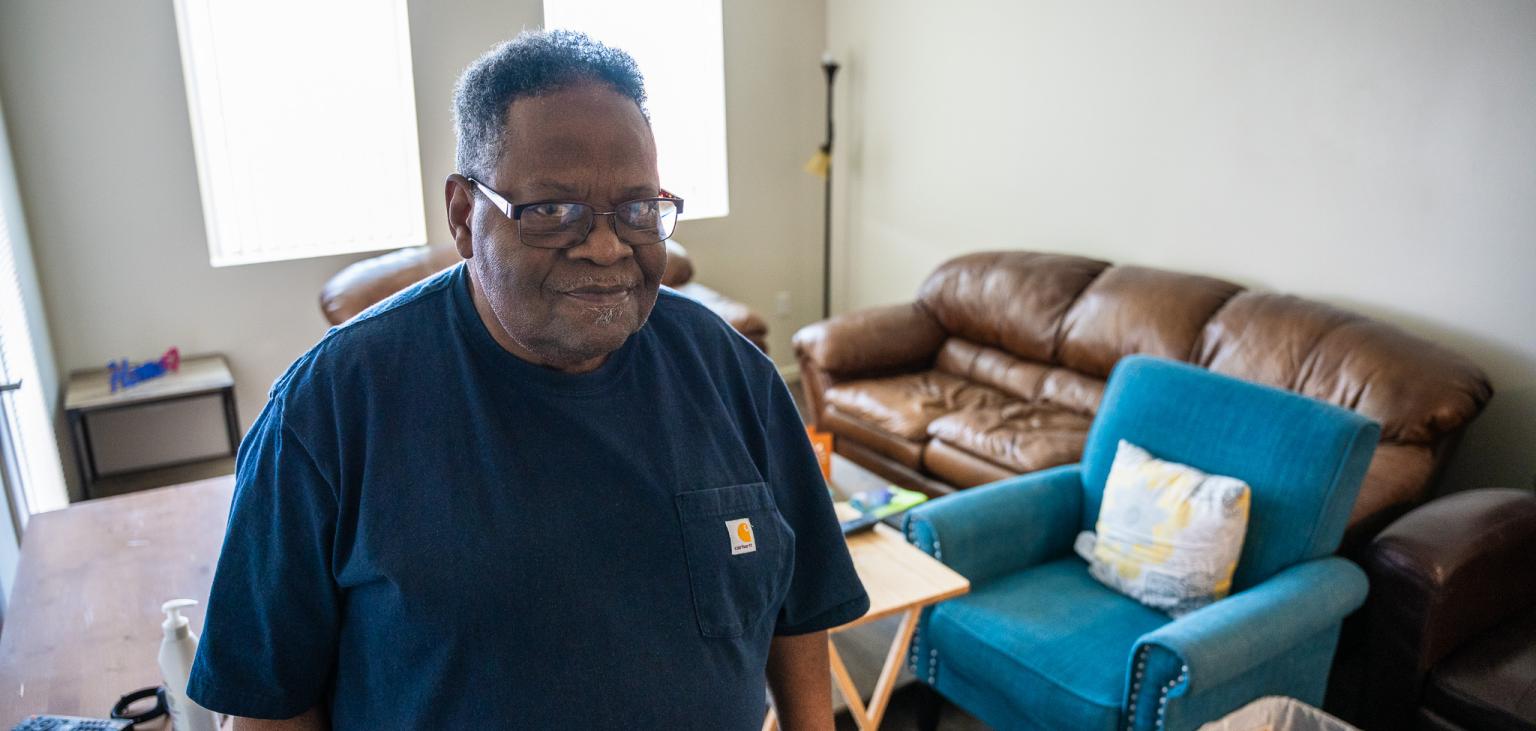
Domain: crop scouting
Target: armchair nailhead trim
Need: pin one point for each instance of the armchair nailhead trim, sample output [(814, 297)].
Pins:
[(1162, 700), (1130, 702), (917, 634), (1162, 696)]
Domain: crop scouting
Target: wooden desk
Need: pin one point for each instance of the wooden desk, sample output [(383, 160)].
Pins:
[(83, 627), (900, 579)]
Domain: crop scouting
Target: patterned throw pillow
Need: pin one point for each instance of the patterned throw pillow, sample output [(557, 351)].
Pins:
[(1169, 535)]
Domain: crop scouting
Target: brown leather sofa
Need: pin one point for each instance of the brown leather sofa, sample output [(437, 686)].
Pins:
[(359, 286), (998, 367), (1451, 617)]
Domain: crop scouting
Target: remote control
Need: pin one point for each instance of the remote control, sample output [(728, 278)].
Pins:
[(860, 524)]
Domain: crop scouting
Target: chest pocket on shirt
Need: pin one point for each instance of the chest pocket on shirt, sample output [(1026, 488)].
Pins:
[(740, 555)]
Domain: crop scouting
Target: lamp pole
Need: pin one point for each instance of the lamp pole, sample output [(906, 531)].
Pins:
[(829, 66)]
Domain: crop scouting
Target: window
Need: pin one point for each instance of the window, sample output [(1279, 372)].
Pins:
[(304, 123), (31, 476), (678, 46)]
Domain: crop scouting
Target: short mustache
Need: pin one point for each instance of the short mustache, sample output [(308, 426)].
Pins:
[(570, 285)]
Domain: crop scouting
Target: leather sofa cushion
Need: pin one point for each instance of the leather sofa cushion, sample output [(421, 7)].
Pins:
[(904, 405), (959, 467), (1397, 476), (1129, 310), (1416, 389), (992, 367), (1012, 300), (1072, 391), (1026, 380), (1020, 436), (906, 452), (1266, 338), (1490, 683)]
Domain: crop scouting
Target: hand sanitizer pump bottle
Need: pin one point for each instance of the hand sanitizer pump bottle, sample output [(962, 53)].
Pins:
[(177, 651)]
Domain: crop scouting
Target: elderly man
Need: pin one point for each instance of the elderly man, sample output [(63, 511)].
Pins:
[(532, 491)]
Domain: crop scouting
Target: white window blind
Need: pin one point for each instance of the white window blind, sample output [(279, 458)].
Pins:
[(33, 475), (304, 123), (678, 45)]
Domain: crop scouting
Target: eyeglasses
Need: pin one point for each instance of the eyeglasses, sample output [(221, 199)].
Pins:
[(563, 224)]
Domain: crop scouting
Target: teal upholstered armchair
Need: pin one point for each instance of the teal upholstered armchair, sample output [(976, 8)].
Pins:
[(1039, 644)]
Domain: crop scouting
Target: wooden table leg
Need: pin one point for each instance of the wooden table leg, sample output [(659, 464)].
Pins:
[(892, 669), (845, 684), (868, 718)]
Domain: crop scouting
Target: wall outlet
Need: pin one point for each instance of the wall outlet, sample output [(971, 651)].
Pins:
[(783, 305)]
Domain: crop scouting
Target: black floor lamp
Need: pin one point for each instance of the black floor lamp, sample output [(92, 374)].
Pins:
[(821, 165)]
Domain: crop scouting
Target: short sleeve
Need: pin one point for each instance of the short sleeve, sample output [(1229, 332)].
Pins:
[(270, 633), (825, 591)]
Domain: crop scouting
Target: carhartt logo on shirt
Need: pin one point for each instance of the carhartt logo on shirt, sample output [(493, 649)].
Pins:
[(741, 536)]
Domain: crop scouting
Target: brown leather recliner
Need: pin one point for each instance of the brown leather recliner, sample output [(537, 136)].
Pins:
[(998, 367), (360, 285), (1451, 638)]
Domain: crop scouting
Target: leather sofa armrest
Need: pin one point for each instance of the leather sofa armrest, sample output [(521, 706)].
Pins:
[(679, 267), (883, 339), (1442, 574), (365, 283), (1446, 571), (739, 316)]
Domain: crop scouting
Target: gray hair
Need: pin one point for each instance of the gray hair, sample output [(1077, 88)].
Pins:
[(535, 62)]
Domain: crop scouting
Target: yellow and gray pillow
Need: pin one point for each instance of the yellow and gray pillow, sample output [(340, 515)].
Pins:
[(1169, 535)]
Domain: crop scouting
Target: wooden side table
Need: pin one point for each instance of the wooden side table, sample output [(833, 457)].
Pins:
[(90, 392), (900, 579)]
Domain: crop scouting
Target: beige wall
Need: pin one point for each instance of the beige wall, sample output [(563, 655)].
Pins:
[(774, 99), (1376, 154), (103, 151), (1380, 156)]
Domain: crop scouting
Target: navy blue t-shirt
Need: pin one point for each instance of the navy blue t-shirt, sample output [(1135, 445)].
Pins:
[(427, 530)]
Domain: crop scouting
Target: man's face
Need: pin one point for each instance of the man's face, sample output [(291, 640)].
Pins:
[(565, 308)]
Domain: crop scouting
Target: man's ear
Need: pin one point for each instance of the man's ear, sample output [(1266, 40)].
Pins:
[(459, 196)]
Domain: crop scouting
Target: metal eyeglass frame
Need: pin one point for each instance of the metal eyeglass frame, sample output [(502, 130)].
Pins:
[(515, 213)]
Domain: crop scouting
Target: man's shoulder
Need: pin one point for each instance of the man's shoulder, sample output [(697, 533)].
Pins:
[(706, 348), (407, 320), (678, 316), (685, 310)]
